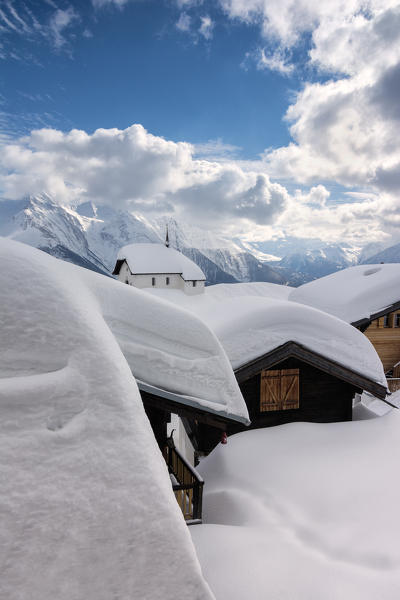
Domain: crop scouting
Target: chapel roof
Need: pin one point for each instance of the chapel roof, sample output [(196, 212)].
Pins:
[(157, 258)]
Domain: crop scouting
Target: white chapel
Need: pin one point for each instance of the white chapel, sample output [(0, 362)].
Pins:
[(158, 266)]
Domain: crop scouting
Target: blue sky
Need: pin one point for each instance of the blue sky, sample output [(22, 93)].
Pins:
[(133, 65), (257, 118)]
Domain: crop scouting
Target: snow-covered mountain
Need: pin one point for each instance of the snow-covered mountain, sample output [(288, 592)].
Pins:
[(300, 260), (389, 255), (91, 236), (301, 267)]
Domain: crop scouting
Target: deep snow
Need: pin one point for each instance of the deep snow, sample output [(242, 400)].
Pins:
[(352, 294), (252, 319), (86, 506), (304, 511)]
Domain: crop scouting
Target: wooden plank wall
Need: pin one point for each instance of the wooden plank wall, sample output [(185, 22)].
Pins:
[(323, 398), (386, 340)]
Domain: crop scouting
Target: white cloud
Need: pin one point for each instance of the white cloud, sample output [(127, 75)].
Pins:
[(136, 170), (101, 3), (19, 19), (183, 23), (60, 20), (346, 127), (276, 60), (216, 150), (206, 27)]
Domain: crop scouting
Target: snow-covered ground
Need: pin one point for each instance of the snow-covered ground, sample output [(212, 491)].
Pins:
[(86, 506), (304, 511)]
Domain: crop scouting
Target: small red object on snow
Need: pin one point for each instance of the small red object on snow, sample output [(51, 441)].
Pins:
[(224, 438)]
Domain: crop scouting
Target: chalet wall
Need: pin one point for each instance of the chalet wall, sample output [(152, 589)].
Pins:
[(323, 398), (386, 340), (181, 439)]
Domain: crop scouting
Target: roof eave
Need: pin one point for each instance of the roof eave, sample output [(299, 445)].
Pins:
[(381, 313), (190, 402), (296, 350)]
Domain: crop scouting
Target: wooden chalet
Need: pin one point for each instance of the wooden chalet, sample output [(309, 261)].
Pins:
[(383, 331), (367, 297), (291, 383)]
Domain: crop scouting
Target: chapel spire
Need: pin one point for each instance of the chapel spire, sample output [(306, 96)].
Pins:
[(167, 238)]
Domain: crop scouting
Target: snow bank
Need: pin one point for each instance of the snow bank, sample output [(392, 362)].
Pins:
[(304, 511), (353, 294), (157, 258), (250, 325), (86, 506)]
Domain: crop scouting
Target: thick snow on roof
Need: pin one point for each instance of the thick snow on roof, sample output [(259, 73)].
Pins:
[(157, 258), (86, 506), (307, 511), (249, 326), (353, 294), (255, 288), (167, 347)]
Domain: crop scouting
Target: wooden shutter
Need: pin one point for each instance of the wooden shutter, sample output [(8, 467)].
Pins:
[(270, 390), (290, 389), (279, 390)]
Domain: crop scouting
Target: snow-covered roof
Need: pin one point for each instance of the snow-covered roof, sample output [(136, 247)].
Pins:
[(353, 294), (86, 509), (250, 325), (157, 258)]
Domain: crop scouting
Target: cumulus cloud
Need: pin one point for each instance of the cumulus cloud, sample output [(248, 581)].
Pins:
[(135, 170), (345, 128)]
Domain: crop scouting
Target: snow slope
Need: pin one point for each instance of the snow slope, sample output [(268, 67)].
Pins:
[(86, 506), (304, 511), (353, 294)]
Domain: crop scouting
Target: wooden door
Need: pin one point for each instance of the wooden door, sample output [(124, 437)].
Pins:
[(279, 390)]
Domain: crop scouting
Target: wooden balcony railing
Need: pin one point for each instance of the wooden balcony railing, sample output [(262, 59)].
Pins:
[(186, 483)]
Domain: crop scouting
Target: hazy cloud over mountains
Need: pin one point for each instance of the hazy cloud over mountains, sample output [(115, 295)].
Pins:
[(134, 169)]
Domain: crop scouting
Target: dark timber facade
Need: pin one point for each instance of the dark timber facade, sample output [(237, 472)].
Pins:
[(292, 383)]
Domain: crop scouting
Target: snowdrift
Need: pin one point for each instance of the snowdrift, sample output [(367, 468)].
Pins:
[(86, 506), (304, 511)]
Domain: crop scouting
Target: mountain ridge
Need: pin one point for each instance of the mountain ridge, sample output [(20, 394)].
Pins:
[(91, 236)]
